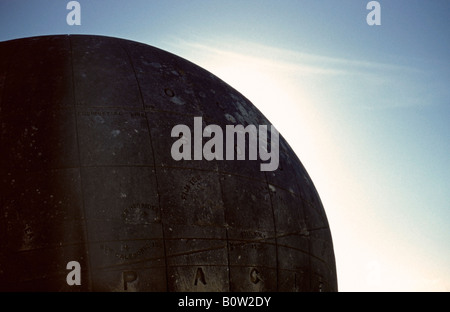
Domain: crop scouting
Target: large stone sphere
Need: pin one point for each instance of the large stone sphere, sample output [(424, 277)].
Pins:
[(87, 175)]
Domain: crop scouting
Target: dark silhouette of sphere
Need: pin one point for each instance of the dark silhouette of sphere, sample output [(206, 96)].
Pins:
[(87, 175)]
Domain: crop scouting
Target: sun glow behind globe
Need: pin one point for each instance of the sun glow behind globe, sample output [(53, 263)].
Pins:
[(297, 95), (364, 107)]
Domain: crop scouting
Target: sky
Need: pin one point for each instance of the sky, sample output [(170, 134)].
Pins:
[(365, 108)]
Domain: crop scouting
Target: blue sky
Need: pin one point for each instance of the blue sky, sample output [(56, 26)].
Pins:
[(366, 108)]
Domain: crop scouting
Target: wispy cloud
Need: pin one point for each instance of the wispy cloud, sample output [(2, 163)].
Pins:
[(289, 60), (357, 82)]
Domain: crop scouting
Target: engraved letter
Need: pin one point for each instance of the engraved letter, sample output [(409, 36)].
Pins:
[(254, 276), (128, 277), (200, 276)]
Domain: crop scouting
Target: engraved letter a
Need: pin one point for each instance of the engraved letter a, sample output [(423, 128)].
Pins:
[(200, 276)]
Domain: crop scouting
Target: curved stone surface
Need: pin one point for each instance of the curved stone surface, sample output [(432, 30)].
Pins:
[(86, 175)]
